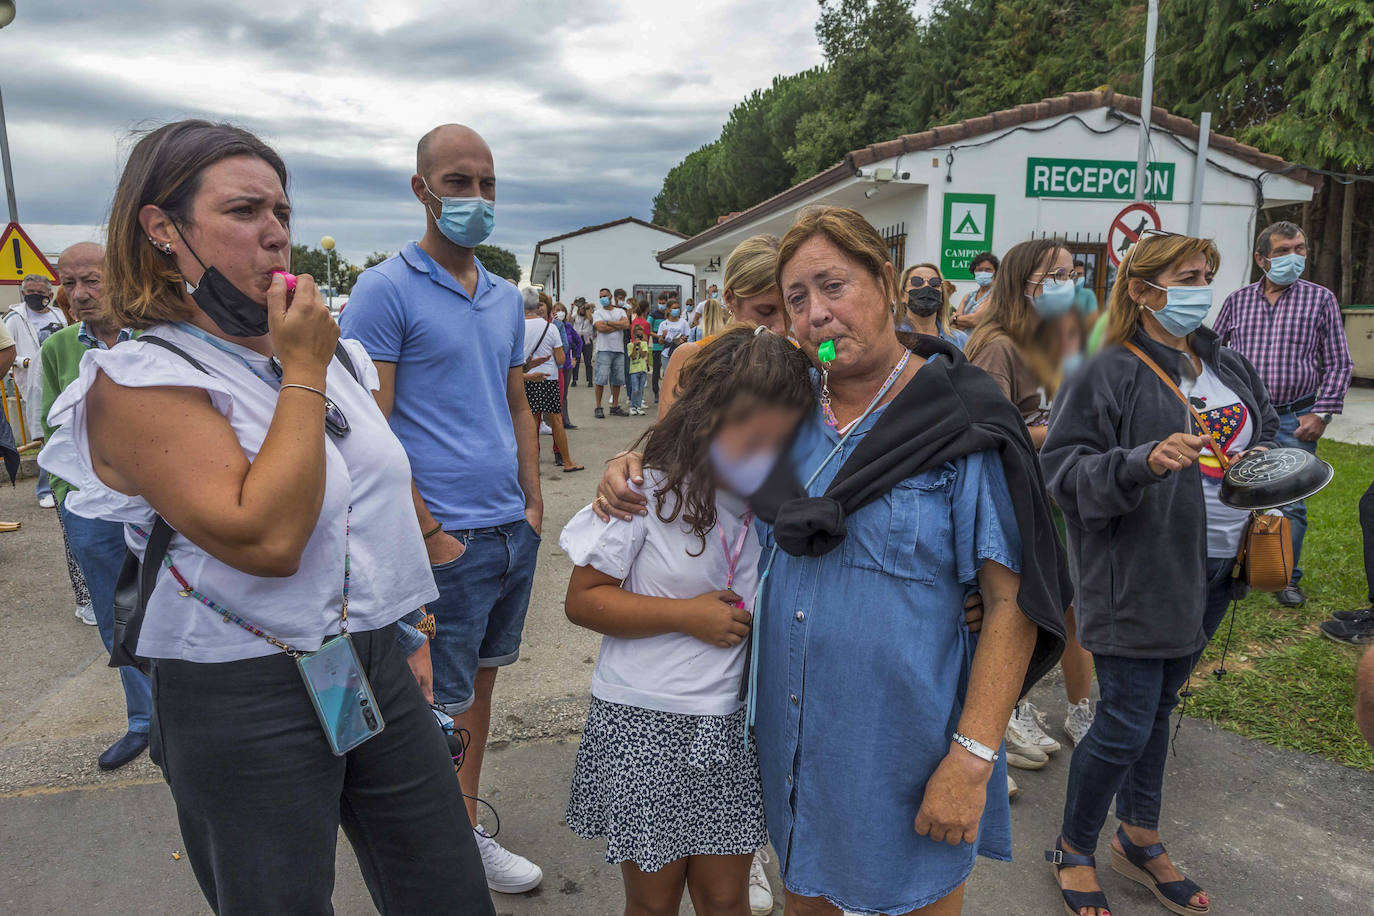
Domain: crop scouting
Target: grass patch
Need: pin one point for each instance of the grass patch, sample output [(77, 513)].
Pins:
[(1288, 685)]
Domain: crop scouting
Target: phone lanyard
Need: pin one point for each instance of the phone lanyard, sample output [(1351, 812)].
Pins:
[(188, 591), (732, 557), (751, 693)]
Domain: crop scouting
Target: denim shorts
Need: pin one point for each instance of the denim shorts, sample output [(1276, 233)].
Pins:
[(610, 368), (480, 612)]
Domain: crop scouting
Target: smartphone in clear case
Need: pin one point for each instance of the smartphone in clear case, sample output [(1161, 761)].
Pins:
[(342, 697)]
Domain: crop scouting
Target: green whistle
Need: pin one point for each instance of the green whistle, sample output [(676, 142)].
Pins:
[(826, 351)]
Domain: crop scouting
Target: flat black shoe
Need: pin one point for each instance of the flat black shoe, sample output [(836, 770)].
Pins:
[(1292, 596), (570, 426), (619, 412), (1350, 632), (123, 750), (1364, 613), (599, 414)]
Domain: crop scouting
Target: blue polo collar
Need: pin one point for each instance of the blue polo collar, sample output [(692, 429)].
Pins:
[(420, 261)]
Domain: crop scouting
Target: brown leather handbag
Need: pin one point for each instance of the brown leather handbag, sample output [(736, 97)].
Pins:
[(1265, 558)]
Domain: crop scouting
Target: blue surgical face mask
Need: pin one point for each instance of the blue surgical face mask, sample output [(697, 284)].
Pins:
[(605, 301), (742, 476), (465, 221), (1071, 364), (1079, 281), (1184, 308), (1285, 269), (983, 278), (675, 313), (1055, 298)]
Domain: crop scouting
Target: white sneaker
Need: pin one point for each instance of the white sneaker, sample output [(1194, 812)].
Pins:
[(544, 429), (1013, 789), (760, 891), (1022, 751), (507, 873), (47, 501), (1078, 721), (86, 614), (1032, 722)]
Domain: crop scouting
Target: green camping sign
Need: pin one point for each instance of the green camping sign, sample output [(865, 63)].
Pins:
[(967, 232)]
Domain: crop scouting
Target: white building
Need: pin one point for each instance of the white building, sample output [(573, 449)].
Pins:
[(1064, 166), (621, 254)]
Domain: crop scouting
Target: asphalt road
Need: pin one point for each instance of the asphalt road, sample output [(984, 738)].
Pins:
[(1265, 831)]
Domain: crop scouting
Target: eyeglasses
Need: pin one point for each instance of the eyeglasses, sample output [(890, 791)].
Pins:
[(1062, 275), (335, 423), (917, 282)]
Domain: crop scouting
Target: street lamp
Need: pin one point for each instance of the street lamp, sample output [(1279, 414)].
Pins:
[(7, 12), (327, 243)]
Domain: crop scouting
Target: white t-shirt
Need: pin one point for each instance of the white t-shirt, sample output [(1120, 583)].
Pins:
[(671, 672), (535, 347), (612, 341), (45, 324), (1230, 423), (366, 469), (671, 330)]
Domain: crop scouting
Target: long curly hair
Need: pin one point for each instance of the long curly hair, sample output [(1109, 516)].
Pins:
[(740, 371)]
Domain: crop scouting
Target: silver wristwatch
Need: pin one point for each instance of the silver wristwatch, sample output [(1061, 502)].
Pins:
[(976, 748)]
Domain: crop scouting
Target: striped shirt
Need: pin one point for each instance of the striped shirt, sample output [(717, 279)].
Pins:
[(1296, 344)]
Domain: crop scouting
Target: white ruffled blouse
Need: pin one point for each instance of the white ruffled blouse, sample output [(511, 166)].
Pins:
[(366, 469)]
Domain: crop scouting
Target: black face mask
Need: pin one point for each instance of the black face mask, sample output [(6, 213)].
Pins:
[(233, 311), (36, 301), (924, 301)]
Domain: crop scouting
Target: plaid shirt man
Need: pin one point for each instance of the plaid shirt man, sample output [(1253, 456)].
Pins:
[(1297, 344)]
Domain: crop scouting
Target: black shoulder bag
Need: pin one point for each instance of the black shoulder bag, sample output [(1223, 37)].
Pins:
[(137, 579)]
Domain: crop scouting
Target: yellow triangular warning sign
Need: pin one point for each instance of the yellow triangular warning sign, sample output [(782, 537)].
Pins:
[(19, 257)]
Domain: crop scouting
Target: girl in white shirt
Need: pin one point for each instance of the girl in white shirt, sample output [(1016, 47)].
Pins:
[(663, 771)]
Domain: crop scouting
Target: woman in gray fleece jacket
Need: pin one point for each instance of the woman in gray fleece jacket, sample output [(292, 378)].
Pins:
[(1155, 547)]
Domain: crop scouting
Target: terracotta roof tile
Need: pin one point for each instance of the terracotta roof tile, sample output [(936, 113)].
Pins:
[(994, 121)]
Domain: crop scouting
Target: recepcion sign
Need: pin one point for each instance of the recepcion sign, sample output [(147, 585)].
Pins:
[(1096, 179), (967, 232)]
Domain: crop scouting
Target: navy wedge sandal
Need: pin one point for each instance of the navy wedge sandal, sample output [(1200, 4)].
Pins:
[(1175, 896), (1074, 901)]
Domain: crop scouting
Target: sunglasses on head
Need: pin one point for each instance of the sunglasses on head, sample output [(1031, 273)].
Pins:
[(335, 423)]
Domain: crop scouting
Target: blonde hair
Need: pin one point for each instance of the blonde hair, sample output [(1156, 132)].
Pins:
[(714, 318), (749, 271), (848, 231), (1147, 259), (942, 317)]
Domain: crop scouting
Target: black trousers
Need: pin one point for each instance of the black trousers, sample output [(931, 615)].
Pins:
[(260, 797), (1367, 530), (658, 370)]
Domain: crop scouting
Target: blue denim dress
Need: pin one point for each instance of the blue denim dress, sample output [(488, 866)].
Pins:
[(863, 664)]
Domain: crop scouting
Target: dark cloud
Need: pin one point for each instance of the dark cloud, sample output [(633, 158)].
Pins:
[(573, 146)]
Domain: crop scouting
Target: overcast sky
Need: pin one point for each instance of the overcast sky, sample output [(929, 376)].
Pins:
[(586, 104)]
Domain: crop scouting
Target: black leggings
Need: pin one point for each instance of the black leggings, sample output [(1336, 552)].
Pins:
[(260, 796)]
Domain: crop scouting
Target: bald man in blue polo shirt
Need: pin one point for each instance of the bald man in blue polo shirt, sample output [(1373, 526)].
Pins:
[(448, 339)]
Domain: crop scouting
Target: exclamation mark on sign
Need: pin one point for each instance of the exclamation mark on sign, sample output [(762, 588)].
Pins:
[(18, 258)]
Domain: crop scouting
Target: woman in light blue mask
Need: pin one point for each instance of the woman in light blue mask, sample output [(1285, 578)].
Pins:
[(984, 267), (1153, 544)]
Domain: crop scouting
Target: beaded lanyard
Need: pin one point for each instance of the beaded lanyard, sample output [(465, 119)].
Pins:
[(189, 591), (830, 418)]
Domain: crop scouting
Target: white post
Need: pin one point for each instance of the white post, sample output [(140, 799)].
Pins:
[(1199, 174), (329, 272), (1147, 93), (9, 173)]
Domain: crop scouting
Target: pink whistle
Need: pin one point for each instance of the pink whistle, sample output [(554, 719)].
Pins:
[(289, 278)]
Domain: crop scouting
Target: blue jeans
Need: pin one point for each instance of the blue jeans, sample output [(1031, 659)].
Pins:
[(637, 380), (1125, 751), (44, 487), (99, 550), (480, 612), (1295, 512)]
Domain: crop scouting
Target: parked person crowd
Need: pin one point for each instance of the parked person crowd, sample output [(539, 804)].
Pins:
[(987, 502)]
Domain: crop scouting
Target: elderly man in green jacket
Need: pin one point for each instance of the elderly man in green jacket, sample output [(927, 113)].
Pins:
[(98, 545)]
